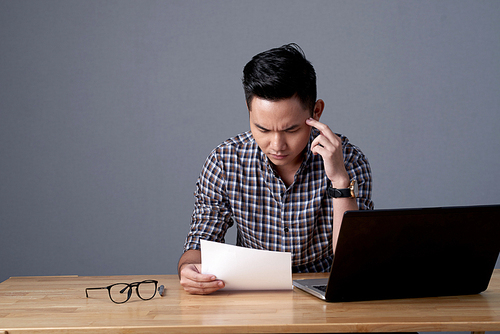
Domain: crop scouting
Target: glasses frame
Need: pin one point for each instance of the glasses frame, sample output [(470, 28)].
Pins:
[(129, 286)]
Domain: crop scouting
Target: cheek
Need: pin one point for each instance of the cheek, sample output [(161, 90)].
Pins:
[(260, 139), (300, 141)]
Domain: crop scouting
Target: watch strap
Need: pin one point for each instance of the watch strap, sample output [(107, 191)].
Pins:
[(338, 193)]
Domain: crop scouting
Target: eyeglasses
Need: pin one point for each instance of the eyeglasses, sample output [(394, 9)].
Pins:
[(119, 293)]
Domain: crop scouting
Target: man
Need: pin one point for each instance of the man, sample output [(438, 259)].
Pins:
[(285, 183)]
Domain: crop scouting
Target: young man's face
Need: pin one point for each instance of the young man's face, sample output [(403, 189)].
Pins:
[(280, 129)]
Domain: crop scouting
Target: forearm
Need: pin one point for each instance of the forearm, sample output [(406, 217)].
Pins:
[(340, 205), (192, 256)]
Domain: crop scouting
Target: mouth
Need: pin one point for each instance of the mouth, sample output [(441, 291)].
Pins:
[(278, 156)]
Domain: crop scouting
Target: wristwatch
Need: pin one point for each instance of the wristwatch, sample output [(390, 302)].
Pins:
[(351, 192)]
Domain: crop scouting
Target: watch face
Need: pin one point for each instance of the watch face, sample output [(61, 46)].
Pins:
[(354, 189)]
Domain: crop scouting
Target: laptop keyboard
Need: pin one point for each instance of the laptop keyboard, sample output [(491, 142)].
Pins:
[(320, 287)]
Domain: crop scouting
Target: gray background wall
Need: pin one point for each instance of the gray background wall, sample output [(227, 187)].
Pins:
[(109, 108)]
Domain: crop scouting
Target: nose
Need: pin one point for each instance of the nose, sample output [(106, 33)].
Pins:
[(278, 142)]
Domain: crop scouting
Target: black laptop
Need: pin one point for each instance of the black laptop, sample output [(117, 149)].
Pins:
[(410, 253)]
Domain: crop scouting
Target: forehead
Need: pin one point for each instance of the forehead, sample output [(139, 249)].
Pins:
[(278, 114)]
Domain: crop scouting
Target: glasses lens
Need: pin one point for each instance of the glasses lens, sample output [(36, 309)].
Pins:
[(120, 293), (146, 290)]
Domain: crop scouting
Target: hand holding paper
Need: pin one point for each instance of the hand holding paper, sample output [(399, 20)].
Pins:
[(247, 269)]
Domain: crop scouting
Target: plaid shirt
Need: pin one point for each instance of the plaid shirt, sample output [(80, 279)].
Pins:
[(238, 185)]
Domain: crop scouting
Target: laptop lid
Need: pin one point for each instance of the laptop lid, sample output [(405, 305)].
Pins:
[(408, 253)]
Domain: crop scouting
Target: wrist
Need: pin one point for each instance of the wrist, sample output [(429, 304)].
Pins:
[(350, 191), (190, 257), (342, 182)]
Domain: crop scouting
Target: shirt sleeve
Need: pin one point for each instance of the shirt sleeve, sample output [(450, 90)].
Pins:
[(358, 168), (212, 212)]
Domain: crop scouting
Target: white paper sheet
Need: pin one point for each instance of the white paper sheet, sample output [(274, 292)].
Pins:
[(246, 269)]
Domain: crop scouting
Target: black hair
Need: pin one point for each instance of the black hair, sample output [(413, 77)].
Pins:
[(280, 73)]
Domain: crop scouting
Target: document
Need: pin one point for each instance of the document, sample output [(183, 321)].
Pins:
[(246, 269)]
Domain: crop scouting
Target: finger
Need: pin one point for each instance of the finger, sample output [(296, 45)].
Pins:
[(196, 276), (320, 149), (196, 283), (203, 288), (323, 129), (192, 273), (322, 142), (327, 148), (325, 152), (317, 124)]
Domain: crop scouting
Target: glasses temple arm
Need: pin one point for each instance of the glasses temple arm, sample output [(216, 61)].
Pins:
[(87, 289)]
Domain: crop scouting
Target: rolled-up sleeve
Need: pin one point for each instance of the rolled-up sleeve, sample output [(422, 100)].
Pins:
[(358, 168), (212, 213)]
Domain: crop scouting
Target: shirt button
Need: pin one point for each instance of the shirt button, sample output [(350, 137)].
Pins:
[(286, 229)]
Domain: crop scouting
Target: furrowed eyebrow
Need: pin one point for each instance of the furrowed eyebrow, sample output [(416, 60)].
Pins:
[(261, 127), (293, 127)]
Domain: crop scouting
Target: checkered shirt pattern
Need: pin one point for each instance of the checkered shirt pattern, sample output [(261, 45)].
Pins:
[(238, 185)]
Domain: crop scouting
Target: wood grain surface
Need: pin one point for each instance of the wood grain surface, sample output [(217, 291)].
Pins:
[(59, 305)]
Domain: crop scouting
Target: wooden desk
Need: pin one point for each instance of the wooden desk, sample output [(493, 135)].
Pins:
[(58, 304)]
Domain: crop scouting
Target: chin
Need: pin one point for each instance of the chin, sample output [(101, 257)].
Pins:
[(279, 162)]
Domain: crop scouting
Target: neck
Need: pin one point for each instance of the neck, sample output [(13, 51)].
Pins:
[(287, 172)]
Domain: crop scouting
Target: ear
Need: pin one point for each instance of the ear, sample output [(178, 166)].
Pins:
[(319, 106)]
